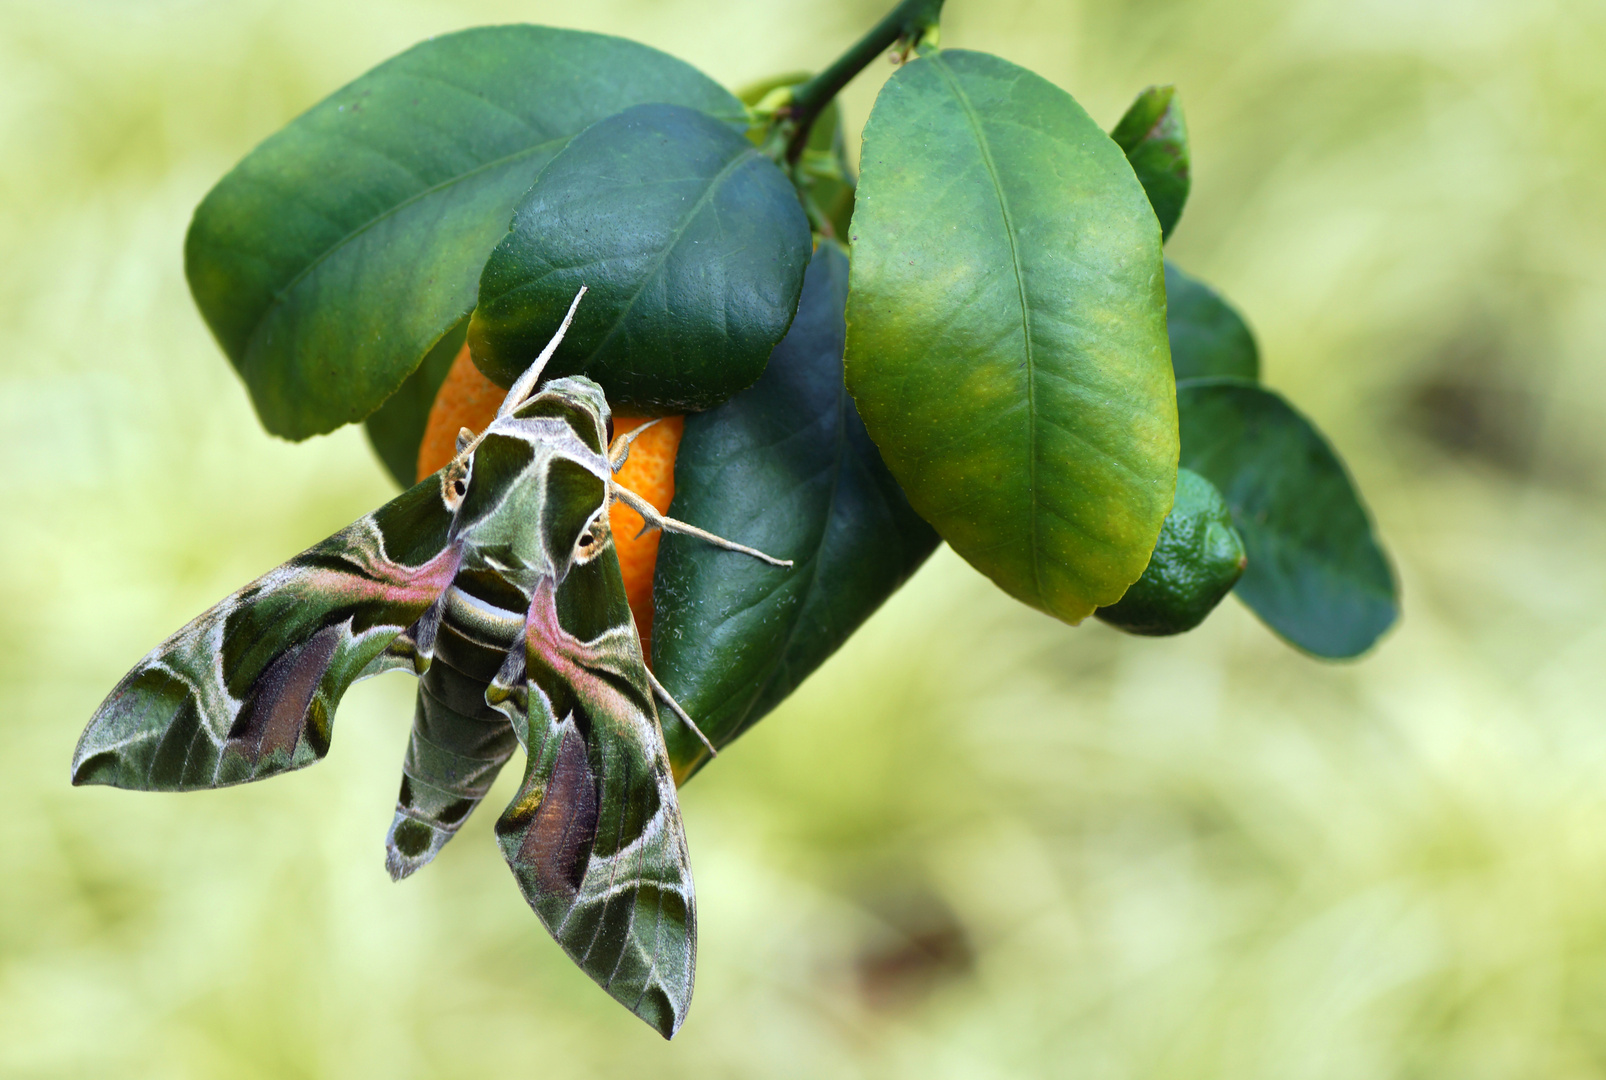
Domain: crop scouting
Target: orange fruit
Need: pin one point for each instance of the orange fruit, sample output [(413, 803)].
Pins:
[(649, 471), (467, 399)]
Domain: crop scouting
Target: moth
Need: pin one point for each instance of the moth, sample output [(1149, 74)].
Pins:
[(494, 581)]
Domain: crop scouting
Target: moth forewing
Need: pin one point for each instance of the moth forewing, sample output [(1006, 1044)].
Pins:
[(594, 835), (249, 688)]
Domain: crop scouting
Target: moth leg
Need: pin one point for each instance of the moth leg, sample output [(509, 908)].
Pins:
[(619, 449), (654, 519), (685, 718)]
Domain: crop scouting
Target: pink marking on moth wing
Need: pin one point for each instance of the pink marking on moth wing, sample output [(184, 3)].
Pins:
[(387, 581), (572, 659), (541, 624)]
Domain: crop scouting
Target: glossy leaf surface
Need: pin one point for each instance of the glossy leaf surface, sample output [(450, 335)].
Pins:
[(693, 247), (1316, 573), (1155, 138), (1208, 337), (1006, 329), (396, 429), (332, 258), (786, 467)]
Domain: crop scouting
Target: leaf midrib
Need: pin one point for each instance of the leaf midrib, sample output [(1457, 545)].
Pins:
[(1026, 327), (679, 234)]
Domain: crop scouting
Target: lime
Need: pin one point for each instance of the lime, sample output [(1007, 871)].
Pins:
[(1197, 560)]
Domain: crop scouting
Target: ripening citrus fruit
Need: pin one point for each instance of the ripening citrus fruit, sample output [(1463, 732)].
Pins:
[(1196, 562), (650, 473), (468, 399)]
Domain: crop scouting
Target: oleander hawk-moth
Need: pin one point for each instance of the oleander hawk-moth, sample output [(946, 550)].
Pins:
[(496, 582)]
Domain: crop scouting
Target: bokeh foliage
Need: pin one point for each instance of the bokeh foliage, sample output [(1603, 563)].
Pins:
[(978, 842)]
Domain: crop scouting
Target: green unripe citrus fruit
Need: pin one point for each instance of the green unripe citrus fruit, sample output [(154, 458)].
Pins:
[(1197, 560)]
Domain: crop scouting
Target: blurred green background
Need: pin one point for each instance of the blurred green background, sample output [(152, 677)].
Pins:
[(978, 843)]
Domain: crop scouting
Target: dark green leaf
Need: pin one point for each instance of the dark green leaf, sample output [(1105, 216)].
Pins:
[(1316, 573), (786, 467), (692, 243), (339, 251), (397, 428), (1208, 338), (1155, 138), (1006, 329)]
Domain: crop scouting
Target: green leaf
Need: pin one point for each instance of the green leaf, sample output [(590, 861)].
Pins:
[(785, 467), (1316, 573), (396, 429), (827, 129), (332, 258), (1208, 337), (826, 177), (1006, 329), (692, 243), (1155, 138)]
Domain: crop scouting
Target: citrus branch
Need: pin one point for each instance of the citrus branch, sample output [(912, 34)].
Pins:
[(911, 21)]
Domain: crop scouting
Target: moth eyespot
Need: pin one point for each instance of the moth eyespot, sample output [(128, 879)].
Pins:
[(588, 545), (454, 484)]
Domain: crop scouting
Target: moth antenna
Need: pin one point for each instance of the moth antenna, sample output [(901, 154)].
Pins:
[(684, 717), (524, 385), (654, 519), (619, 449)]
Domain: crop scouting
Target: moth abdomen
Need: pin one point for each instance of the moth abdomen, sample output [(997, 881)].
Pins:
[(459, 742)]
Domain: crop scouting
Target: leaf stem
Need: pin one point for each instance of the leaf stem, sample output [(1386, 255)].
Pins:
[(911, 20)]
